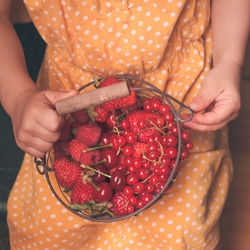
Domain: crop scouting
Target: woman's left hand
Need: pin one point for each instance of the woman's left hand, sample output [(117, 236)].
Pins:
[(219, 100)]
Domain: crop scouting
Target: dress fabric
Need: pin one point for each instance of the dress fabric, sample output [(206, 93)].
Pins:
[(167, 43)]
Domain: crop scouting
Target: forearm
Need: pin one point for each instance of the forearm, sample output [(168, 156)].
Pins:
[(230, 28), (14, 77)]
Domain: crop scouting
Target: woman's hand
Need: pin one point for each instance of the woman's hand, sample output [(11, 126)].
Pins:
[(36, 124), (218, 102)]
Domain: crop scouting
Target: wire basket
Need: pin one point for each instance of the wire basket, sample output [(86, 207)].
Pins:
[(181, 114)]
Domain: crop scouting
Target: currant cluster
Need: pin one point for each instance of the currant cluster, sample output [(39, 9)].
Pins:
[(114, 158)]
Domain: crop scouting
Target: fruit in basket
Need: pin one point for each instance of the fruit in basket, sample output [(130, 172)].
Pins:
[(125, 151)]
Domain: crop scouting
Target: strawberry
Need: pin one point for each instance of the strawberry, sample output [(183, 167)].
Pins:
[(89, 134), (138, 149), (144, 134), (119, 103), (119, 204), (76, 148), (90, 157), (65, 131), (100, 114), (83, 190), (66, 172), (139, 115), (80, 116)]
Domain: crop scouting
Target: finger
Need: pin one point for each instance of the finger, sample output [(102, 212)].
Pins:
[(203, 100), (218, 114), (208, 127), (55, 96), (34, 152), (50, 121), (45, 135), (39, 144)]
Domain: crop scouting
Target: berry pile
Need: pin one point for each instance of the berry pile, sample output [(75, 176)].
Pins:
[(114, 158)]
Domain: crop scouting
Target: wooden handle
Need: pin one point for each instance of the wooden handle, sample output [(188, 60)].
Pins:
[(92, 98)]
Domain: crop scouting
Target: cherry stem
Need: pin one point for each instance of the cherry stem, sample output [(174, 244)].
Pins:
[(95, 170), (98, 147)]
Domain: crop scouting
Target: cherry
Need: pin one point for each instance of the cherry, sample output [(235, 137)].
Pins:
[(111, 119), (99, 177), (118, 180), (103, 192), (105, 139), (109, 157)]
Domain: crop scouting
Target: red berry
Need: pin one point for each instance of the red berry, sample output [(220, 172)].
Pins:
[(103, 192), (149, 188), (139, 204), (118, 180), (130, 209), (129, 191), (132, 200), (128, 150), (110, 158), (168, 116), (124, 124), (142, 173), (185, 135), (164, 109), (153, 179), (174, 130), (171, 152), (139, 187), (188, 145), (132, 179)]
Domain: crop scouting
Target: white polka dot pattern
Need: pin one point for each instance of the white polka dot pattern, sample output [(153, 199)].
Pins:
[(165, 42)]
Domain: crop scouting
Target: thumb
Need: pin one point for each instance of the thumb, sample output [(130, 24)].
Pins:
[(55, 96), (201, 101)]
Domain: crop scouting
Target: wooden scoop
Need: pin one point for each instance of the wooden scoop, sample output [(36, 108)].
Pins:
[(92, 98)]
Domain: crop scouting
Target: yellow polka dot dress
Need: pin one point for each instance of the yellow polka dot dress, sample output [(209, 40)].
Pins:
[(166, 42)]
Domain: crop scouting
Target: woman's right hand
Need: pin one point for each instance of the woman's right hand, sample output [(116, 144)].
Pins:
[(36, 123)]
